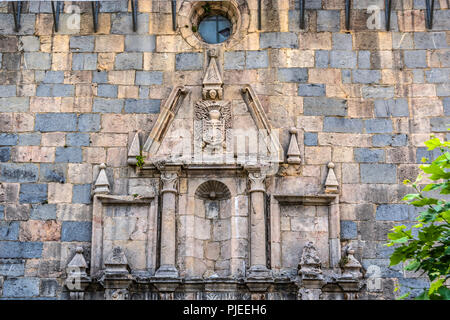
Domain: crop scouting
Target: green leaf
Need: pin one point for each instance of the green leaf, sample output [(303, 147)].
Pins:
[(433, 143), (435, 285), (404, 296), (444, 292), (413, 265)]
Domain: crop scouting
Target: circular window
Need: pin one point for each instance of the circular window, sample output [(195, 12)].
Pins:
[(215, 29)]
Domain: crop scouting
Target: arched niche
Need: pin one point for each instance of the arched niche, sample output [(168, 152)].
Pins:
[(213, 228)]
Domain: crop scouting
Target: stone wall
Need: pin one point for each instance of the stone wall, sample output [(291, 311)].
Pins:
[(365, 99)]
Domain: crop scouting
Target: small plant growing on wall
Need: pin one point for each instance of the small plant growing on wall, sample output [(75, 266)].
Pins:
[(425, 247), (140, 160)]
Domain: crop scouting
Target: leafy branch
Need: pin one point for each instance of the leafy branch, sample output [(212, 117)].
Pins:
[(428, 249)]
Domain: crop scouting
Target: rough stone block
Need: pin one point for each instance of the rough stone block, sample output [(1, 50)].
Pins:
[(128, 61), (342, 41), (9, 230), (29, 43), (76, 231), (256, 59), (55, 90), (147, 78), (142, 105), (392, 140), (278, 40), (69, 154), (311, 90), (438, 75), (415, 58), (107, 91), (366, 76), (5, 154), (343, 59), (322, 58), (348, 230), (378, 125), (43, 212), (328, 20), (369, 155), (11, 268), (140, 43), (8, 139), (293, 74), (77, 139), (21, 287), (189, 61), (439, 124), (446, 105), (37, 60), (122, 23), (100, 77), (81, 193), (33, 193), (84, 61), (391, 108), (310, 139), (15, 249), (364, 59), (53, 77), (423, 152), (430, 40), (332, 124), (11, 172), (375, 92), (7, 91), (49, 122), (234, 60), (82, 43), (89, 122), (108, 105), (50, 172), (393, 212), (378, 173), (14, 104)]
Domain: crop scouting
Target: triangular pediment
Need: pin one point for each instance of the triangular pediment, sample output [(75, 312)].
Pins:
[(183, 121)]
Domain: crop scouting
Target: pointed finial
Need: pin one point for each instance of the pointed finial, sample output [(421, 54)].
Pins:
[(135, 150), (293, 154), (101, 185), (331, 183)]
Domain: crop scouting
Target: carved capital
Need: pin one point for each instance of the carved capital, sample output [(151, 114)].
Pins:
[(169, 181), (256, 181)]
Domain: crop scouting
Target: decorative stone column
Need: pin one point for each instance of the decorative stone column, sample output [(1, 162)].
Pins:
[(169, 192), (258, 252)]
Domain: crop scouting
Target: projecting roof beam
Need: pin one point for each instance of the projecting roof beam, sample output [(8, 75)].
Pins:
[(302, 14), (259, 14), (56, 12), (16, 13), (387, 14), (95, 9), (429, 13), (348, 4), (134, 10), (174, 15)]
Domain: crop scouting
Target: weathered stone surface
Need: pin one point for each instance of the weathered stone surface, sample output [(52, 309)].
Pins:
[(76, 231), (36, 230)]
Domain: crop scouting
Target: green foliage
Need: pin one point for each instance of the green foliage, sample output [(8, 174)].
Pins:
[(140, 161), (207, 7), (429, 250), (194, 28)]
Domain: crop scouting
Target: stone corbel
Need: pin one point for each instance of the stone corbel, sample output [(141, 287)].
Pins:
[(77, 278)]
